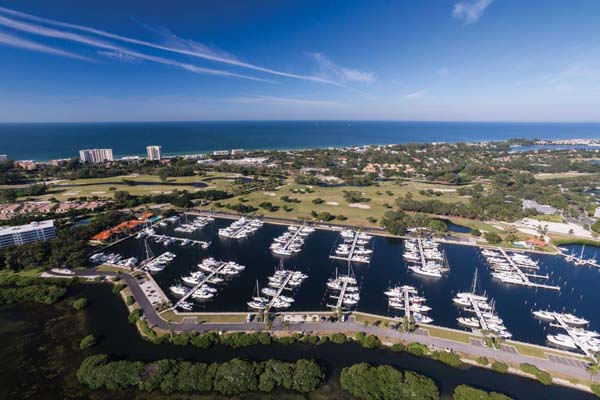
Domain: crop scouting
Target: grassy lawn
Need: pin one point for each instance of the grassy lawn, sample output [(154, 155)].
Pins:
[(334, 202), (30, 273), (362, 318), (144, 185), (549, 218), (537, 352), (474, 224), (205, 317), (561, 175), (448, 334)]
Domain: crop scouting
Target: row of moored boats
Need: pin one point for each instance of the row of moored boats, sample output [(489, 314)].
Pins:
[(241, 228), (291, 241), (407, 300), (279, 291), (355, 246), (425, 257)]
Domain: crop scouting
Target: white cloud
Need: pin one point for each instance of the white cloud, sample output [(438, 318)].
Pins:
[(21, 43), (470, 11), (101, 44), (341, 74), (419, 94), (173, 44)]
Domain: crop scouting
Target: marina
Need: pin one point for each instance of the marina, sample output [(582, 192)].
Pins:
[(344, 291), (213, 272), (406, 299), (354, 247), (579, 259), (485, 320), (509, 268), (291, 241), (578, 292), (425, 258), (576, 337), (241, 228)]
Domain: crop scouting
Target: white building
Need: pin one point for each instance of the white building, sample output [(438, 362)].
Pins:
[(221, 153), (153, 152), (94, 156), (540, 208), (33, 232), (235, 152), (3, 157)]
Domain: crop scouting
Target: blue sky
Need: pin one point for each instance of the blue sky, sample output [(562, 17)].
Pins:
[(468, 60)]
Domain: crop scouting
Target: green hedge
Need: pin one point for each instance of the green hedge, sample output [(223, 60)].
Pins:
[(465, 392), (229, 378), (541, 376), (366, 382)]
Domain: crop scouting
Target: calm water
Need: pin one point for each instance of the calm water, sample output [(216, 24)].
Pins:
[(47, 141), (578, 293)]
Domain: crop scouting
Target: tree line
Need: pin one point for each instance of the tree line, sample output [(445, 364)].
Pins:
[(229, 378)]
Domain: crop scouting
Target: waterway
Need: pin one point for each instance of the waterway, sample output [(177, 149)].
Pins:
[(578, 294)]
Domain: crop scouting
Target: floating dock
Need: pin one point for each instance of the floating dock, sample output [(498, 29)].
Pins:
[(202, 243), (525, 276), (353, 248), (203, 281)]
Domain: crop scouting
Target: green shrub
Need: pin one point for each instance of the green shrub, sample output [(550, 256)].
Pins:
[(447, 357), (384, 382), (542, 376), (500, 366), (80, 304), (417, 349), (87, 341), (339, 338), (117, 288), (398, 347), (465, 392), (205, 340), (595, 389), (129, 300), (482, 361), (134, 316)]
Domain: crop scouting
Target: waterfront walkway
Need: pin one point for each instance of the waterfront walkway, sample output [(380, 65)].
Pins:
[(566, 366)]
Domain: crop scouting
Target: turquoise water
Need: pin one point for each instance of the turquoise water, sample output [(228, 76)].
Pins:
[(47, 141)]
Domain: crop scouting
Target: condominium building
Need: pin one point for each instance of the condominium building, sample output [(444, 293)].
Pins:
[(23, 234), (3, 157), (94, 156), (236, 152), (153, 152), (221, 153)]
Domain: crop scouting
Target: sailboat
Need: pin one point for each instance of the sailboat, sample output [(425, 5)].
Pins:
[(258, 302)]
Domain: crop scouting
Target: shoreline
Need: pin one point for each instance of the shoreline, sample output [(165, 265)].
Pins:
[(563, 372)]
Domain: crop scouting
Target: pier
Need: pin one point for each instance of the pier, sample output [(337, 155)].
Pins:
[(203, 281), (577, 339), (525, 276), (202, 243), (280, 289), (353, 248)]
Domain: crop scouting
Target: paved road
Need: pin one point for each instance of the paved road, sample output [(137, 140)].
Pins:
[(151, 315)]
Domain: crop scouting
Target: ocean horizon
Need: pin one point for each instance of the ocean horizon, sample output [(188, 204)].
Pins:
[(46, 141)]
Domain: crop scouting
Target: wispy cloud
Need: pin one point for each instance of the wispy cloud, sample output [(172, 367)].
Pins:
[(21, 43), (115, 49), (285, 101), (171, 43), (470, 11), (342, 74), (419, 94), (442, 71)]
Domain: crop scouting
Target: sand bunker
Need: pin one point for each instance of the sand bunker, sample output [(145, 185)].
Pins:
[(98, 192), (270, 194), (361, 206), (332, 203), (71, 193)]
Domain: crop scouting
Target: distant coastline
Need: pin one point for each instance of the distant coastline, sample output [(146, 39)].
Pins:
[(43, 142)]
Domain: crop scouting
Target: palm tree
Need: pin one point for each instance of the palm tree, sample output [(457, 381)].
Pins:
[(593, 369)]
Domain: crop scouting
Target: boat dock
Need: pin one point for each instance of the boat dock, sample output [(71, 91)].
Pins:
[(340, 299), (525, 276), (201, 243), (576, 334), (203, 281), (354, 248), (579, 261), (482, 321), (280, 290)]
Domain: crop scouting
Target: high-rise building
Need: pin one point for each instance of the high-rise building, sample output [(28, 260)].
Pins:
[(94, 156), (153, 152), (23, 234), (3, 157)]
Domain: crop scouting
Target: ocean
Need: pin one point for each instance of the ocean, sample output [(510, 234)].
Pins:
[(43, 142)]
